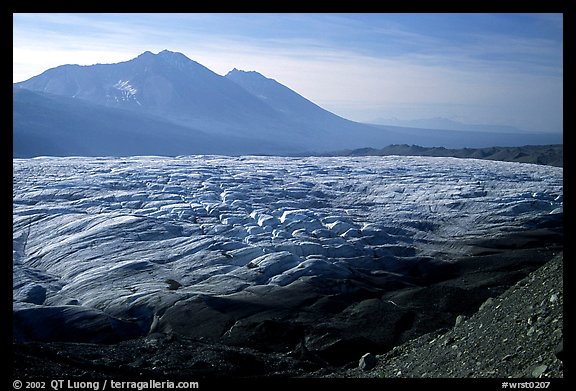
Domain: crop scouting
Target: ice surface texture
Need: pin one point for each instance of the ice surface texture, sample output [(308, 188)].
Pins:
[(123, 239)]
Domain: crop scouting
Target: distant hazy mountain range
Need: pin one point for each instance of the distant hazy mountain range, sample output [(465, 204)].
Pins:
[(167, 104), (445, 124)]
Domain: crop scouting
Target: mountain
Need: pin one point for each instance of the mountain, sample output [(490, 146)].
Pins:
[(168, 104), (469, 139), (170, 88), (281, 98), (445, 124), (46, 124), (168, 84)]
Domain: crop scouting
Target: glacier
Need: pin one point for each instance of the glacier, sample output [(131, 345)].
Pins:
[(107, 249)]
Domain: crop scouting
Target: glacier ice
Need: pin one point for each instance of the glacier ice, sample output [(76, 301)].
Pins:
[(98, 238)]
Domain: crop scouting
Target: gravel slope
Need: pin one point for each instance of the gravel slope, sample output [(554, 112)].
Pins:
[(518, 334)]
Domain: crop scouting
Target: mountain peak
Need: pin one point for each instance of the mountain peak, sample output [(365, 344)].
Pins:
[(168, 85), (172, 55), (240, 73), (173, 58), (146, 54)]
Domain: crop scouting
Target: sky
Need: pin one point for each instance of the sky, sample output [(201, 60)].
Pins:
[(497, 69)]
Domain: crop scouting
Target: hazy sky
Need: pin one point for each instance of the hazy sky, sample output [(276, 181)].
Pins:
[(504, 69)]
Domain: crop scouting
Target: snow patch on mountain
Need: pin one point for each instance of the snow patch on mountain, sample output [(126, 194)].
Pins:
[(126, 87), (128, 91)]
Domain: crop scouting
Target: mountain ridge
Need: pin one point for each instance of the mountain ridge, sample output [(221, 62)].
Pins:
[(278, 96), (259, 114), (159, 84), (181, 91), (441, 123), (551, 155)]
